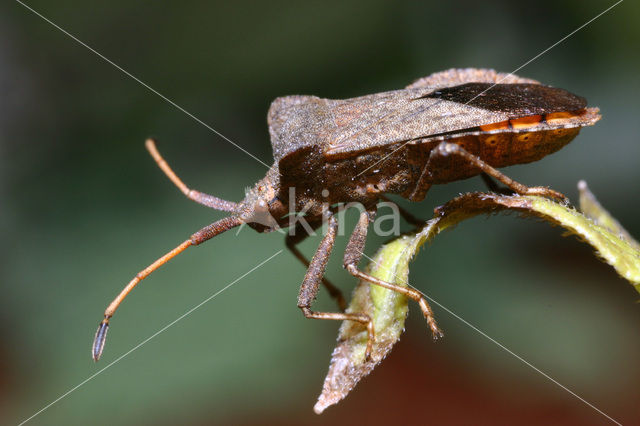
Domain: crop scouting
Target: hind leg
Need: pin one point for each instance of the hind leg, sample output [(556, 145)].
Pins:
[(446, 149)]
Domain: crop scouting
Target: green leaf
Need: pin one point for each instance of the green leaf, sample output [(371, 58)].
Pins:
[(388, 309)]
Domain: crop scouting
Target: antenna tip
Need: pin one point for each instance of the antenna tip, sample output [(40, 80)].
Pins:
[(150, 143), (99, 339)]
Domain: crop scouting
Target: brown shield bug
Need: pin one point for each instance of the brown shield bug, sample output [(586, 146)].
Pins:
[(448, 126)]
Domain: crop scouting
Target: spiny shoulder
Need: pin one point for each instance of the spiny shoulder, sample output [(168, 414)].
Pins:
[(457, 76)]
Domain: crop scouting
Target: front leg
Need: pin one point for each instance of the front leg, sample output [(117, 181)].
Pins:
[(291, 241), (352, 255), (313, 278)]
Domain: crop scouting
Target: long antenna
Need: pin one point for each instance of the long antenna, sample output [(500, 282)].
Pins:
[(192, 194), (199, 237)]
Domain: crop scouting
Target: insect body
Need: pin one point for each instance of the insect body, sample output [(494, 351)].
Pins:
[(448, 126)]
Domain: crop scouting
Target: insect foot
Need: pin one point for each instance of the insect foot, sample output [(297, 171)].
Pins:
[(428, 314), (543, 191)]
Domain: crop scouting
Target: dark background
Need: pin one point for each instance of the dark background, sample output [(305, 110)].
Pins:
[(83, 208)]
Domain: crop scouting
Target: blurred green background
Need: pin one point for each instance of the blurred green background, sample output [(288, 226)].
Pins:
[(83, 208)]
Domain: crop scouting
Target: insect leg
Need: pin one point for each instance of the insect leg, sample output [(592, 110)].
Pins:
[(493, 186), (291, 240), (445, 149), (199, 237), (312, 279), (352, 255), (192, 194), (422, 187)]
